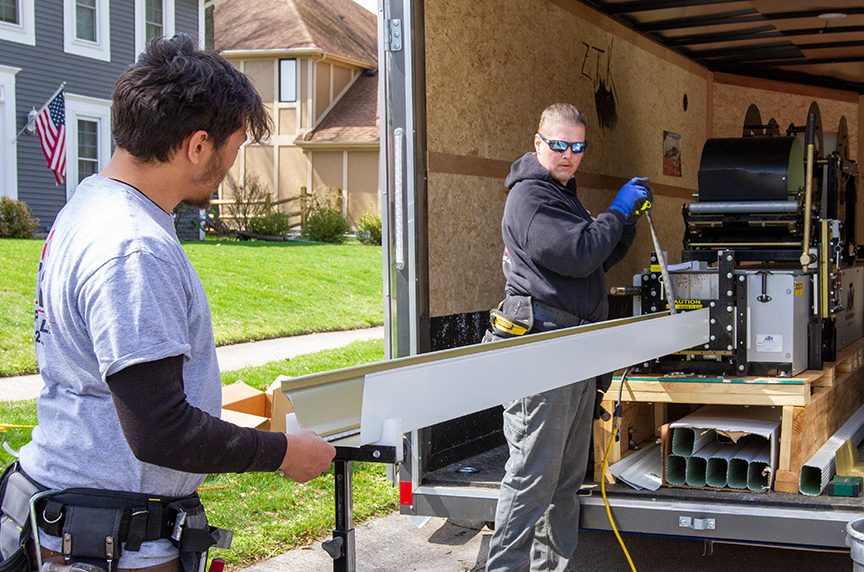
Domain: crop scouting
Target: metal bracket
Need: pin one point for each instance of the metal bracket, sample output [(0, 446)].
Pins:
[(393, 41), (697, 523)]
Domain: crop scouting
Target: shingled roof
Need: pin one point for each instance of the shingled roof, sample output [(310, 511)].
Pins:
[(339, 27), (355, 117)]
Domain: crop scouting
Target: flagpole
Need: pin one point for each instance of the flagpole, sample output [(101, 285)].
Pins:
[(50, 99)]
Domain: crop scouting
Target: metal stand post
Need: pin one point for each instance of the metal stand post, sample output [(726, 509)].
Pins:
[(341, 547)]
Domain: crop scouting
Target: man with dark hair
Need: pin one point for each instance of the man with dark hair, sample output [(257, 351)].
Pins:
[(555, 257), (123, 334)]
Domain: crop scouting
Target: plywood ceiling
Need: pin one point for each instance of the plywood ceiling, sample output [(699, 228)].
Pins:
[(785, 40)]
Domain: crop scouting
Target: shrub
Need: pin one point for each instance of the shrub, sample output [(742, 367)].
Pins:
[(249, 200), (272, 223), (16, 220), (324, 220), (325, 224), (369, 228)]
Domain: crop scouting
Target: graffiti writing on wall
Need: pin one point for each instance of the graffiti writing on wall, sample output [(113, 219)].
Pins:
[(605, 99)]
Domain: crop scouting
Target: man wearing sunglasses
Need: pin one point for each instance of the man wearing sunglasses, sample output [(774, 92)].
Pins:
[(556, 254)]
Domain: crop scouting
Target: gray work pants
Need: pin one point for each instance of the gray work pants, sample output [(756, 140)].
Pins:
[(537, 521)]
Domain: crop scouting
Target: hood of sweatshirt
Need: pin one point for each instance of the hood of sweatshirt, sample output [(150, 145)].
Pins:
[(528, 168)]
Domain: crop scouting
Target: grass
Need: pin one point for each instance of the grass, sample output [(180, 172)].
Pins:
[(18, 260), (257, 290), (268, 514)]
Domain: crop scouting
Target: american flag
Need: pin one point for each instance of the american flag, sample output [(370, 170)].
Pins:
[(51, 126)]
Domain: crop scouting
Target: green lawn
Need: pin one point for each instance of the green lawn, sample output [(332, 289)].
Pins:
[(257, 290), (268, 514)]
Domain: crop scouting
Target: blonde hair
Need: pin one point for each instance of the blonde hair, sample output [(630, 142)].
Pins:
[(558, 113)]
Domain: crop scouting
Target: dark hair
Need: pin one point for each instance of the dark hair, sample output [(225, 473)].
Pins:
[(174, 90)]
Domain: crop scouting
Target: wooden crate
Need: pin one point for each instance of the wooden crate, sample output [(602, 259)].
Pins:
[(814, 405)]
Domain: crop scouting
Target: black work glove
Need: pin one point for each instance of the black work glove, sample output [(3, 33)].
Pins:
[(599, 411)]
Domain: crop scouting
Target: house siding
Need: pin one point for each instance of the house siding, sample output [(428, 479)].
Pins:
[(45, 66), (186, 17)]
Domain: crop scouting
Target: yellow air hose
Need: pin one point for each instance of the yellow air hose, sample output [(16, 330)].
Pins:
[(616, 417)]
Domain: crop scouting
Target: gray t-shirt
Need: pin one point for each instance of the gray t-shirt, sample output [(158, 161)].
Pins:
[(114, 289)]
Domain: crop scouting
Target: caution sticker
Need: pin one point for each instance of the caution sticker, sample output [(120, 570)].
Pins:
[(799, 288)]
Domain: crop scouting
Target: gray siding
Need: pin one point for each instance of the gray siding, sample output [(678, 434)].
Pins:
[(186, 16), (45, 66)]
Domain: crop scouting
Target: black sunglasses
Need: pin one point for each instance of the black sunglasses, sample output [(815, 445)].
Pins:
[(561, 146)]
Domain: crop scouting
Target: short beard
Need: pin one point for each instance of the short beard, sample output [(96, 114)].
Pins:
[(212, 177), (197, 204)]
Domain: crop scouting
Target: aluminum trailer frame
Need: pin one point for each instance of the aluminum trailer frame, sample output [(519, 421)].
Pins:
[(787, 524)]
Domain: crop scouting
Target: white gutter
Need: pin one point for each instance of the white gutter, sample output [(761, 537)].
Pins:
[(370, 145), (297, 53)]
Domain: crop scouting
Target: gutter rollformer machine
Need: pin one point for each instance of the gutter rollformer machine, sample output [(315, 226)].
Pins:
[(770, 249)]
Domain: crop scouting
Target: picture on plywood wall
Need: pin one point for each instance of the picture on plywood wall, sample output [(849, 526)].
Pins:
[(671, 154)]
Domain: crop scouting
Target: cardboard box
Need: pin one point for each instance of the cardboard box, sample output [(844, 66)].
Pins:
[(246, 420), (745, 439), (281, 404), (249, 407), (246, 406)]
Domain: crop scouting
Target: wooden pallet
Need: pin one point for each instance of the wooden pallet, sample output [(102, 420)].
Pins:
[(814, 405)]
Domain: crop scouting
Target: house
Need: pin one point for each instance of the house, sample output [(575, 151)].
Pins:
[(314, 62), (87, 44)]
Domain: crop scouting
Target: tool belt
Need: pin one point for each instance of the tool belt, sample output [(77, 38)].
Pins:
[(93, 524), (515, 316)]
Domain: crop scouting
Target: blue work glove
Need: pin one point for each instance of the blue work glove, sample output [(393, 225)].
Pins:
[(633, 199)]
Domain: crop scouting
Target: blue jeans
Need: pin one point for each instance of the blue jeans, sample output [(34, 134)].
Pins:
[(537, 519)]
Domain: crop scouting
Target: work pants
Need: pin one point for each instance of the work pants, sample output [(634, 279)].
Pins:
[(537, 520)]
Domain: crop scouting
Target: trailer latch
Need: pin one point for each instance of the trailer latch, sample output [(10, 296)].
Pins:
[(697, 523), (393, 35)]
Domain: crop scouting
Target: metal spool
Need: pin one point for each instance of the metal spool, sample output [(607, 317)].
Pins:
[(753, 126), (773, 128), (753, 122), (843, 139)]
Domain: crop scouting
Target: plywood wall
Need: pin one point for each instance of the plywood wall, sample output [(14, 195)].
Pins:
[(491, 68), (781, 103)]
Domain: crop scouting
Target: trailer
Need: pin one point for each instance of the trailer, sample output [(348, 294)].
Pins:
[(462, 87)]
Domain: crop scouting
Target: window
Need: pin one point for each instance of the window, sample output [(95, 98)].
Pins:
[(153, 18), (85, 20), (88, 138), (287, 80), (8, 156), (88, 148), (17, 21), (153, 22), (87, 29), (9, 12)]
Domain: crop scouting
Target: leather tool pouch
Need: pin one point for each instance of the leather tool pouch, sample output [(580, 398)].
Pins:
[(514, 316)]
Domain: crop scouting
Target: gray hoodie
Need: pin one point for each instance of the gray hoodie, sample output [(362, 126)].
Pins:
[(555, 251)]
